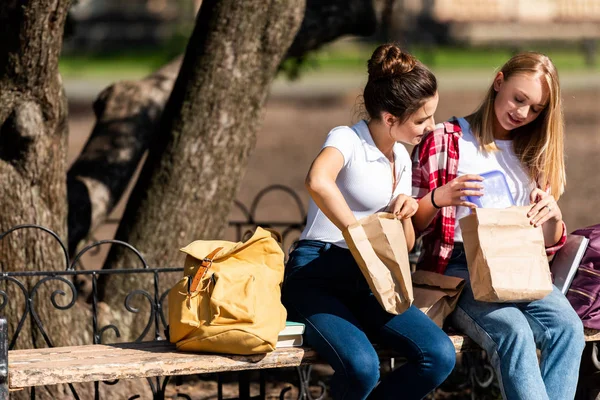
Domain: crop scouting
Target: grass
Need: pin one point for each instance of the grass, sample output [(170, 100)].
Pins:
[(353, 56), (129, 65), (342, 56)]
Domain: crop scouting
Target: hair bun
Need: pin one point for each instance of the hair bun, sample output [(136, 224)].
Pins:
[(388, 60)]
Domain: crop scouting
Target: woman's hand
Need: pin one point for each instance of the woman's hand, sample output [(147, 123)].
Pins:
[(453, 193), (403, 206), (544, 208)]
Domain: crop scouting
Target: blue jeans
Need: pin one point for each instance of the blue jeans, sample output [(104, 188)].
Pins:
[(511, 332), (325, 290)]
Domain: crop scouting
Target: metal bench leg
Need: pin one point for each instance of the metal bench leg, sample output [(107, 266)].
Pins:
[(3, 359), (244, 385), (304, 372), (263, 389)]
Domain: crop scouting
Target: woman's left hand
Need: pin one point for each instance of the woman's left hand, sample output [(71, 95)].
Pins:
[(403, 206), (544, 208)]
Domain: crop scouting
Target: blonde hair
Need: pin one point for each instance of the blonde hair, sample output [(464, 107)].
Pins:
[(539, 145)]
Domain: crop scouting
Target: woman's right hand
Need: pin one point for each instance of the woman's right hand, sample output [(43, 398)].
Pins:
[(403, 206), (453, 193)]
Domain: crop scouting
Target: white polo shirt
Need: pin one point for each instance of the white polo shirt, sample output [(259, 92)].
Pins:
[(365, 180)]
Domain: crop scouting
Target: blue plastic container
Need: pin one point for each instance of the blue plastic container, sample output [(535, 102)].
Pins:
[(496, 193)]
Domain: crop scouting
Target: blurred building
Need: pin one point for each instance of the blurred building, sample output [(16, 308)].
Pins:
[(101, 25), (107, 25), (505, 22)]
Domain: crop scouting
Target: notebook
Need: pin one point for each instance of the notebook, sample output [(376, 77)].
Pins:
[(291, 335), (567, 260)]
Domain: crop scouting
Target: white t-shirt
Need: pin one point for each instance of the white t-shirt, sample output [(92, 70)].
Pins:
[(365, 180), (473, 161)]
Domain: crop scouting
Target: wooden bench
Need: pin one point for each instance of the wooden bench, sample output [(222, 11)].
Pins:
[(50, 366), (107, 362)]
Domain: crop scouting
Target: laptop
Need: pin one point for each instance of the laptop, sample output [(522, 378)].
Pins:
[(567, 260)]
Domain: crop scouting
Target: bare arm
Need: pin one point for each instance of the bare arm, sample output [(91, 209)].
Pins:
[(425, 213), (409, 233), (450, 194), (320, 183)]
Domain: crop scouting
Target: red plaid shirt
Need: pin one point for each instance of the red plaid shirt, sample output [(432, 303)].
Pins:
[(435, 163)]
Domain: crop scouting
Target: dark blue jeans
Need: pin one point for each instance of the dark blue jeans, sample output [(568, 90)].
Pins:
[(325, 290)]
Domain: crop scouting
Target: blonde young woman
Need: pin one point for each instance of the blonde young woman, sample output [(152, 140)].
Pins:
[(518, 130)]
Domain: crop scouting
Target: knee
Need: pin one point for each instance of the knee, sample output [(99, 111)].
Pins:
[(512, 337), (439, 360), (570, 330), (362, 372)]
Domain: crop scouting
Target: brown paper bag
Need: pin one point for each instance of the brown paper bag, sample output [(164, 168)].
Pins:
[(436, 294), (505, 255), (378, 245)]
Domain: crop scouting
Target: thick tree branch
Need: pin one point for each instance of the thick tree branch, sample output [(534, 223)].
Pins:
[(327, 20), (127, 113)]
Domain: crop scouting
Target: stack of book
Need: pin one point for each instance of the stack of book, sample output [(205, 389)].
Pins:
[(291, 335)]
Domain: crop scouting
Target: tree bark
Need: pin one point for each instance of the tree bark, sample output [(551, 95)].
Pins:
[(127, 113), (207, 131), (33, 142)]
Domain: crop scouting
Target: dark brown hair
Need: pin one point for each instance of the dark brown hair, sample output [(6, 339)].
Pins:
[(398, 83)]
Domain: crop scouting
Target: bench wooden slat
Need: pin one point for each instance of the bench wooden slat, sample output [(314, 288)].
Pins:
[(117, 350), (96, 362), (591, 335), (35, 367)]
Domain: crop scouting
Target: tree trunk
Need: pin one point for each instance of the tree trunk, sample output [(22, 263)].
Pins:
[(207, 131), (127, 112), (33, 142)]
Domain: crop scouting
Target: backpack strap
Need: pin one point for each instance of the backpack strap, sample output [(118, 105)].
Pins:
[(204, 266)]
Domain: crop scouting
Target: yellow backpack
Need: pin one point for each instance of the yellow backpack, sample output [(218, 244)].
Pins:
[(229, 300)]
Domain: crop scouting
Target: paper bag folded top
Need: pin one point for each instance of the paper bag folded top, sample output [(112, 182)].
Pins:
[(436, 294)]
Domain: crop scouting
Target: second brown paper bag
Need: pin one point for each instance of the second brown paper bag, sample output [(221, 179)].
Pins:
[(436, 294), (378, 245), (505, 255)]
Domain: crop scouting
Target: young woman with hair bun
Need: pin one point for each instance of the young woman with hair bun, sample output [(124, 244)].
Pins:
[(362, 170)]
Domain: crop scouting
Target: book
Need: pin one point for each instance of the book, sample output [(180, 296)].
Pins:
[(567, 260), (291, 335), (292, 328), (289, 341)]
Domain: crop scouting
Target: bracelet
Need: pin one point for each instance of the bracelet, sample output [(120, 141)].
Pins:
[(433, 202)]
